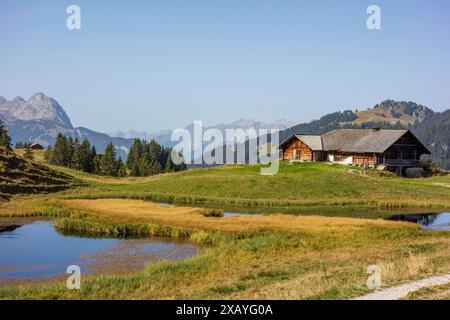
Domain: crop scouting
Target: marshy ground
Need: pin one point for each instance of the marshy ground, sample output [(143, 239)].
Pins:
[(322, 251)]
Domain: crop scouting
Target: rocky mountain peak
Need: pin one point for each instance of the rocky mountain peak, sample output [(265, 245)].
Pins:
[(38, 107), (18, 99), (39, 96)]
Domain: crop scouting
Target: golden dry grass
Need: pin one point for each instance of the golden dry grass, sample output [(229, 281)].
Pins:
[(139, 211), (22, 206), (276, 257)]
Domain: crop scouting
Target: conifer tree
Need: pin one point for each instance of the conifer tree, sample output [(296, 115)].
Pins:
[(60, 152), (5, 139), (145, 168), (169, 166), (155, 168), (93, 159), (97, 163), (121, 168), (134, 157), (28, 153), (108, 162)]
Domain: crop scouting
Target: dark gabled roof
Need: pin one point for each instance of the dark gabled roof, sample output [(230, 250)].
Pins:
[(361, 140), (314, 142), (355, 140)]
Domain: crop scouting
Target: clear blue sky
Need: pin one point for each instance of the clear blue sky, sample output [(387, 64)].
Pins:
[(150, 65)]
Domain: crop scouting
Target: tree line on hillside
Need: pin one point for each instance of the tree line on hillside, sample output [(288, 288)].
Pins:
[(145, 158), (434, 132), (333, 121), (22, 145), (69, 152), (148, 158)]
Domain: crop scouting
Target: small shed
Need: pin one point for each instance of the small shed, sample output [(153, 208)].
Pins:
[(36, 146), (303, 148)]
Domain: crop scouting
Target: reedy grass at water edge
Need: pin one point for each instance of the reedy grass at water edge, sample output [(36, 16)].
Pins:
[(300, 187), (280, 257), (270, 265), (266, 257)]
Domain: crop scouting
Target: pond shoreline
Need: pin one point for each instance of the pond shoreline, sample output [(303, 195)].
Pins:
[(35, 250)]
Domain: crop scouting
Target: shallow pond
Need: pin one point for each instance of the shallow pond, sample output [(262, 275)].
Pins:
[(37, 250), (431, 221), (238, 214)]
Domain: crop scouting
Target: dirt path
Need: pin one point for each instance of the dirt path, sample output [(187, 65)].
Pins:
[(395, 293)]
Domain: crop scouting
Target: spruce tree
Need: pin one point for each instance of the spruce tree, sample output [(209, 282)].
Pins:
[(135, 170), (154, 151), (28, 153), (71, 147), (5, 139), (83, 158), (77, 159), (121, 168), (60, 152), (155, 168), (145, 168), (97, 163), (108, 162), (134, 157), (169, 166), (93, 160)]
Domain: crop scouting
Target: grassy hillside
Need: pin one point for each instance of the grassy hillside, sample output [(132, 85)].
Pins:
[(274, 256), (393, 112), (317, 188), (297, 187), (19, 176)]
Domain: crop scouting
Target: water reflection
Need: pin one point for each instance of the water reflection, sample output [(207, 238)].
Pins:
[(439, 221), (37, 249)]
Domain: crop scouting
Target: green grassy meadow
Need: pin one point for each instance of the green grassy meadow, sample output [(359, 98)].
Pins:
[(307, 188), (322, 255)]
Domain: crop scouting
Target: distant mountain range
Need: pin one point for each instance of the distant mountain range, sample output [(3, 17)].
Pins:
[(433, 128), (41, 118), (163, 137)]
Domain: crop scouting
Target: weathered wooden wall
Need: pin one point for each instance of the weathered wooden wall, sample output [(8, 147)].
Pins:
[(365, 159), (304, 153)]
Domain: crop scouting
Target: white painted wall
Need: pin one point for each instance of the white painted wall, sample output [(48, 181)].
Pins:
[(348, 160)]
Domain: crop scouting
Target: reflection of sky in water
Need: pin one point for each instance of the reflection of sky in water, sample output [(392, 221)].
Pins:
[(439, 221), (235, 214), (37, 249)]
